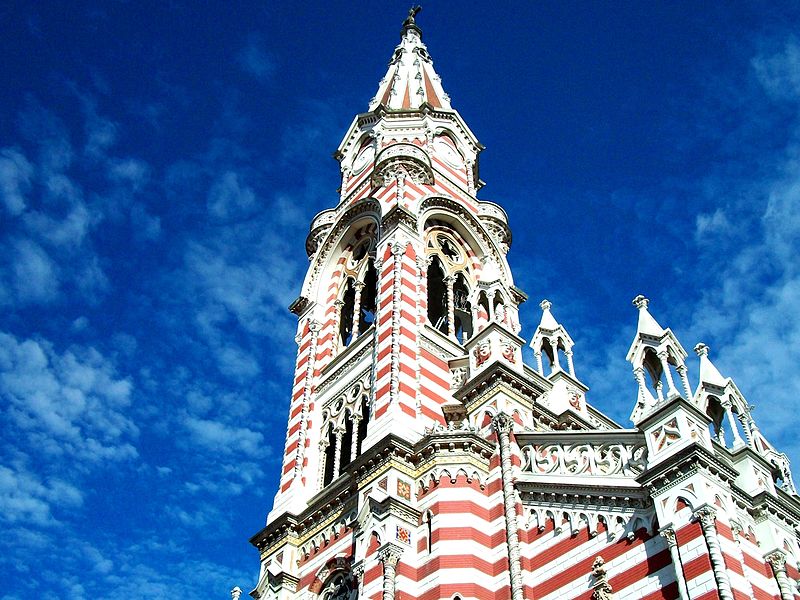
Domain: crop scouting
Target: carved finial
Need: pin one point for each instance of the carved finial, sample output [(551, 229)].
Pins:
[(236, 592), (545, 304), (640, 302), (701, 349)]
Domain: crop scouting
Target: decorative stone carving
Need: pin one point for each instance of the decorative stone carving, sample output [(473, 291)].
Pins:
[(482, 353), (602, 588), (610, 458), (666, 435), (458, 377), (402, 158)]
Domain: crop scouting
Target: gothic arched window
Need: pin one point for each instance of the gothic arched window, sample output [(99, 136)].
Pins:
[(449, 305), (357, 302)]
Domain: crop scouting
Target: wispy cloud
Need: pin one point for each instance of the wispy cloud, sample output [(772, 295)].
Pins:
[(254, 59)]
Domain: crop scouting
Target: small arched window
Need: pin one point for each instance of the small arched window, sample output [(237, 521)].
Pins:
[(449, 304), (357, 301)]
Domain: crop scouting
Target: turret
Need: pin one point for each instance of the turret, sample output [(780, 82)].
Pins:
[(655, 351)]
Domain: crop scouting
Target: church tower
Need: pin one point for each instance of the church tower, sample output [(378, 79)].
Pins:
[(424, 460)]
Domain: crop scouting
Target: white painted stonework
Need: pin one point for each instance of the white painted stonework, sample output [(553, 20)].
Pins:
[(425, 460)]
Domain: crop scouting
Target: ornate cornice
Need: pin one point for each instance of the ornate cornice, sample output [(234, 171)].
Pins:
[(687, 461)]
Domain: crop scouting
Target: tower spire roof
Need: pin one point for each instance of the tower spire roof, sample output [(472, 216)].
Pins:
[(647, 324), (708, 372), (410, 80), (548, 321)]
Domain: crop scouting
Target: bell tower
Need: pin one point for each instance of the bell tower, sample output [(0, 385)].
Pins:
[(424, 460)]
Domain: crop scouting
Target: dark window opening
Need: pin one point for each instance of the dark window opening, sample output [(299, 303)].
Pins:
[(362, 424), (448, 249), (347, 442), (346, 315), (369, 299), (437, 296), (330, 455)]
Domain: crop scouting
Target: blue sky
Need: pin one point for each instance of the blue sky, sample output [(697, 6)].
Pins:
[(160, 162)]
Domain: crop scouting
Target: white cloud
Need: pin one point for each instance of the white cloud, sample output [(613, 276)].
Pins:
[(229, 198), (226, 439), (15, 179), (25, 498), (35, 275), (70, 405), (254, 59)]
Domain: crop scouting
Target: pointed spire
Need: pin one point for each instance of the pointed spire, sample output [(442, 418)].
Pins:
[(548, 321), (550, 336), (410, 80), (708, 372), (647, 324)]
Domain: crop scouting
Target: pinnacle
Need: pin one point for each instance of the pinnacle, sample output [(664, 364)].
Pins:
[(708, 372), (548, 321), (647, 324)]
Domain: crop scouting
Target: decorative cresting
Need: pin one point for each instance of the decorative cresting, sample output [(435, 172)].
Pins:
[(551, 454), (402, 159), (389, 554), (707, 517), (503, 424)]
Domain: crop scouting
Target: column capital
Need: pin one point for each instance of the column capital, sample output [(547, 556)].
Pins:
[(668, 533), (502, 422), (390, 553), (706, 516), (358, 571), (776, 559)]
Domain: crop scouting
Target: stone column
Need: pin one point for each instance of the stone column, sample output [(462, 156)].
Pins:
[(359, 286), (236, 593), (777, 560), (682, 371), (337, 340), (389, 554), (744, 419), (503, 425), (638, 374), (315, 328), (668, 533), (337, 453), (451, 308), (707, 518), (663, 356), (354, 444), (323, 443), (554, 347), (737, 439), (539, 366), (570, 364)]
